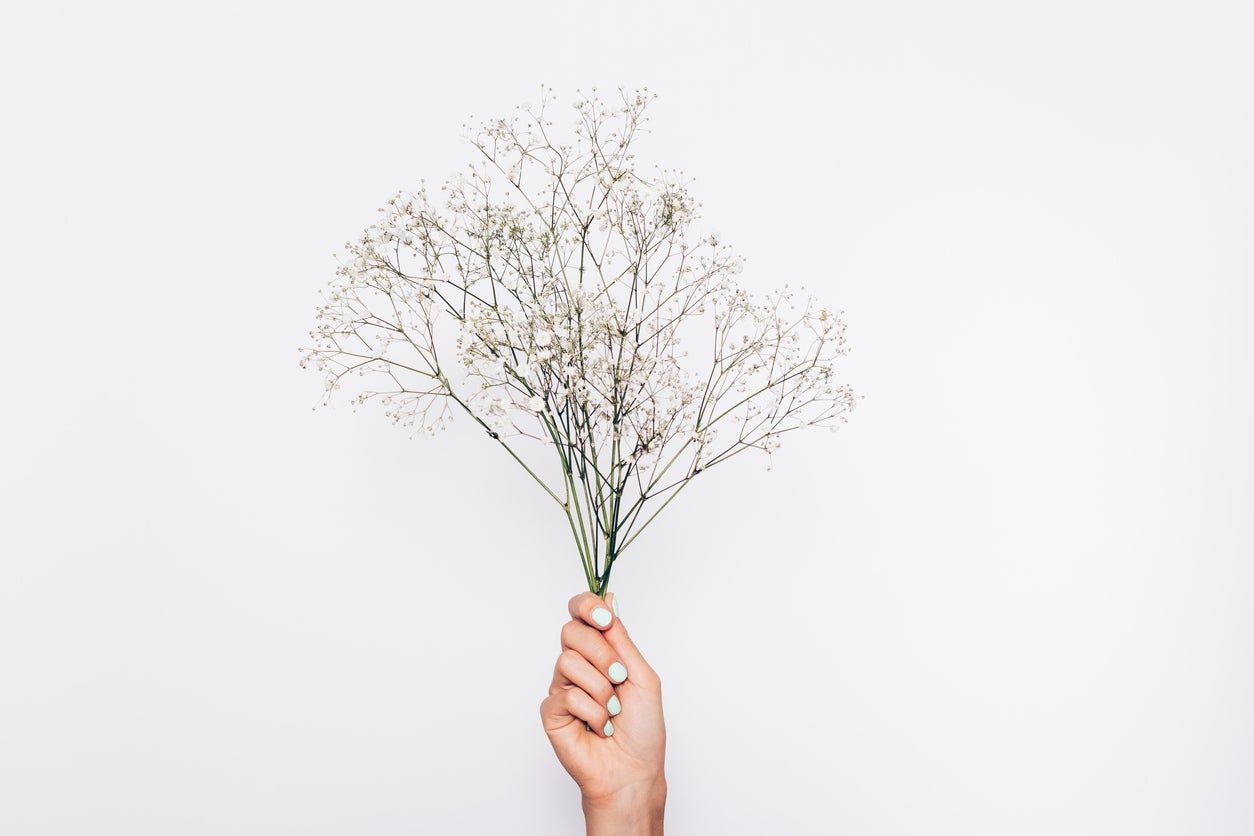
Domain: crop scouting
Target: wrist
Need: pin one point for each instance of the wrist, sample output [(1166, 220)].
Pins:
[(634, 810)]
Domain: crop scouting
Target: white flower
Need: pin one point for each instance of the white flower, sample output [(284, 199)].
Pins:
[(494, 369)]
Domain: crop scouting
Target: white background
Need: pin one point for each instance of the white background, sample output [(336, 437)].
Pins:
[(1013, 596)]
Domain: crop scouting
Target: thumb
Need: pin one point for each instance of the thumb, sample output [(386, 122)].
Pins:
[(638, 669)]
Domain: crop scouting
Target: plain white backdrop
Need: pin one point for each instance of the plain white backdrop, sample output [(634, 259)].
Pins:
[(1013, 596)]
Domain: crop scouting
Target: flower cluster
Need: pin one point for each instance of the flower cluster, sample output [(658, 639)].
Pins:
[(553, 292)]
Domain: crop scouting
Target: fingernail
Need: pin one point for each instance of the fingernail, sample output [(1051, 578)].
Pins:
[(614, 706), (602, 617), (609, 729), (618, 673), (614, 603)]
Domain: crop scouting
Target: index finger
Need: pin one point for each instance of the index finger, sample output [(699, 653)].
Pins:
[(590, 609)]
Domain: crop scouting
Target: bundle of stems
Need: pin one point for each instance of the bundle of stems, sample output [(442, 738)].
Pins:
[(558, 298)]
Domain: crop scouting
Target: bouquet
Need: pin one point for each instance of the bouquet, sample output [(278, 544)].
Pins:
[(562, 299)]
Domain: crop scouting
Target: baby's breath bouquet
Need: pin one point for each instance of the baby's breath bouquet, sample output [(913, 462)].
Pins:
[(561, 299)]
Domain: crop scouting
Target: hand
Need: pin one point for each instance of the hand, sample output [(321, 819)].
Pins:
[(603, 716)]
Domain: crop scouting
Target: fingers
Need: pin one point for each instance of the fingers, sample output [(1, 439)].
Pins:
[(572, 669), (597, 655), (563, 708), (591, 645), (593, 614)]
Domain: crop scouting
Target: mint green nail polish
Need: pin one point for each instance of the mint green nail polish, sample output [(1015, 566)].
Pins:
[(614, 706), (609, 729), (602, 617), (614, 603), (618, 673)]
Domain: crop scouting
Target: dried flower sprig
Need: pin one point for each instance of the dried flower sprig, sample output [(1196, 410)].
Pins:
[(547, 294)]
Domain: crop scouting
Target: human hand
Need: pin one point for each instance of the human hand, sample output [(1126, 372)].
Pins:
[(603, 716)]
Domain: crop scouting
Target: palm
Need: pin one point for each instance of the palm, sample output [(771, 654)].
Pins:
[(602, 766)]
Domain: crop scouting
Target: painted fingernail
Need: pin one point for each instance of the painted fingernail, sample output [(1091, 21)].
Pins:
[(602, 617), (614, 603), (618, 673), (614, 706), (609, 729)]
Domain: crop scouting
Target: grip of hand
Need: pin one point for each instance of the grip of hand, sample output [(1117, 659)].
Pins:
[(603, 715)]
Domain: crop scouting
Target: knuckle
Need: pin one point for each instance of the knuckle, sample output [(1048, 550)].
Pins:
[(567, 660), (570, 630)]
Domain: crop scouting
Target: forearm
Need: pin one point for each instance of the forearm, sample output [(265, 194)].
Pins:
[(636, 811)]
